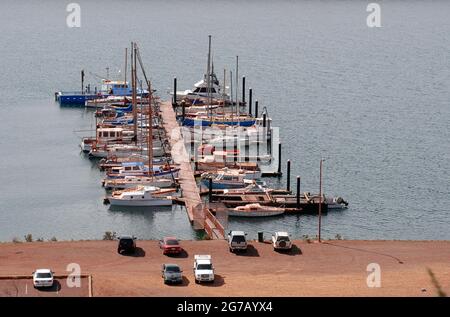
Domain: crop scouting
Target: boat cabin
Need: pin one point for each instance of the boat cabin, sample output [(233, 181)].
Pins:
[(105, 134)]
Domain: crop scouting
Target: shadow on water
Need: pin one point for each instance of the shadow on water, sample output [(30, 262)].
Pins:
[(144, 211)]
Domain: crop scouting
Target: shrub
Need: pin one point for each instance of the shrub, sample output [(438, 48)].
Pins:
[(109, 235), (28, 237)]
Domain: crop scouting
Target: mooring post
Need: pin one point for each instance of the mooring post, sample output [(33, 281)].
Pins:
[(243, 90), (256, 108), (174, 102), (288, 172), (183, 109), (298, 192), (82, 81), (279, 159), (210, 190), (264, 120), (250, 97)]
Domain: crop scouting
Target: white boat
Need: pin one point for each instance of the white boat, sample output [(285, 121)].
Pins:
[(134, 181), (123, 150), (106, 136), (140, 169), (200, 91), (255, 210), (141, 196), (335, 202)]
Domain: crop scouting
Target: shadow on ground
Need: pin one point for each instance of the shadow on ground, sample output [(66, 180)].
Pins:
[(250, 252)]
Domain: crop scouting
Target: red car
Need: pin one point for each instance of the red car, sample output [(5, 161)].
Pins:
[(170, 245)]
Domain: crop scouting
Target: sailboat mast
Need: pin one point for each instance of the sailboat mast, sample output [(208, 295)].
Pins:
[(231, 94), (133, 81), (208, 76), (126, 64), (150, 131), (134, 93), (224, 86), (237, 87)]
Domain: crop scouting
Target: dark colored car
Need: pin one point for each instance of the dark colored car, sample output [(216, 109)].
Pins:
[(171, 273), (127, 244), (170, 245)]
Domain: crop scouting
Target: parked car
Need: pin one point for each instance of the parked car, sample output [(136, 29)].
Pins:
[(237, 241), (203, 269), (281, 241), (172, 273), (127, 244), (170, 245), (43, 278)]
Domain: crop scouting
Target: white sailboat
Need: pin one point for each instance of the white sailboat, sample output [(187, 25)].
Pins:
[(141, 196)]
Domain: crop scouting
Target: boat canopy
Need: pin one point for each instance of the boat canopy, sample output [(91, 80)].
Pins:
[(128, 164)]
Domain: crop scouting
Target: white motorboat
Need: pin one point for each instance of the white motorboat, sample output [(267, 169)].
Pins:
[(255, 210), (141, 196), (335, 202)]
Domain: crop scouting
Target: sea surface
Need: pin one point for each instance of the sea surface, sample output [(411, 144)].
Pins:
[(373, 102)]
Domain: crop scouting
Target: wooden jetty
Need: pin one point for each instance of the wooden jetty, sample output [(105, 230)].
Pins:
[(199, 216)]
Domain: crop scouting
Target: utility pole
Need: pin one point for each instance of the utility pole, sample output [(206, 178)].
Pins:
[(320, 200)]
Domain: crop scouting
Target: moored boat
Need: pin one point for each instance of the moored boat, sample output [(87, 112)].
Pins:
[(255, 210), (141, 196)]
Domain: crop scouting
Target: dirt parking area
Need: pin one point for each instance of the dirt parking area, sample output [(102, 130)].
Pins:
[(23, 287), (331, 268)]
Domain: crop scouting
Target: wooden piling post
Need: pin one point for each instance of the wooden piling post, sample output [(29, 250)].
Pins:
[(298, 192), (250, 93), (256, 108), (174, 101), (82, 81), (279, 159), (288, 172), (183, 109), (210, 197), (243, 90)]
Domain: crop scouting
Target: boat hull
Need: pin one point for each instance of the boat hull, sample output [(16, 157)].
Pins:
[(205, 123), (140, 203), (267, 213)]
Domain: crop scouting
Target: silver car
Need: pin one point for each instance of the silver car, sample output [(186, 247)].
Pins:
[(172, 273)]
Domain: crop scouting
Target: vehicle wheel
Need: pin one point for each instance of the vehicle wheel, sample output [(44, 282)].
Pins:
[(231, 250), (196, 281)]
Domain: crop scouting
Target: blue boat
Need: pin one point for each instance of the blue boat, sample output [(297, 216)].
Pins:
[(108, 88)]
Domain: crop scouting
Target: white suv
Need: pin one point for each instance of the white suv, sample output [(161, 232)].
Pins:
[(43, 278), (237, 241), (281, 241)]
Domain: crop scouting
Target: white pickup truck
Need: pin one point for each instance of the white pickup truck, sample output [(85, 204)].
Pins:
[(281, 241), (203, 269), (237, 241)]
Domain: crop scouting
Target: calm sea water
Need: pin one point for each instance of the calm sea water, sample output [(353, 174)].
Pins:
[(373, 102)]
